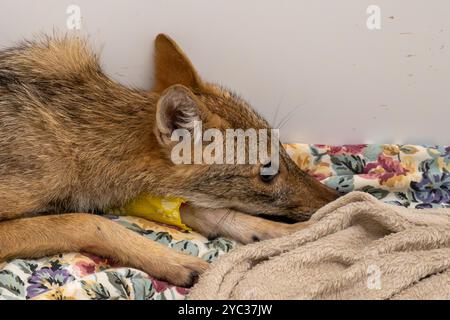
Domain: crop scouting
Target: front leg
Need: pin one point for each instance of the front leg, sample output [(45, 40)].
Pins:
[(46, 235), (236, 225)]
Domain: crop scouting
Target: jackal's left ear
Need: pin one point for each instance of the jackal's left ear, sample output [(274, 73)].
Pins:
[(172, 66)]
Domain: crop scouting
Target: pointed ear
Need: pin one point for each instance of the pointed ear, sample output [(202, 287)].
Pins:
[(172, 66), (177, 108)]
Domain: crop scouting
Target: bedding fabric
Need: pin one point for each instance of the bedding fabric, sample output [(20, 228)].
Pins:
[(356, 248), (404, 175)]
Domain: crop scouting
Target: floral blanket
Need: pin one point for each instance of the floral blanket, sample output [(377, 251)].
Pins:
[(406, 175)]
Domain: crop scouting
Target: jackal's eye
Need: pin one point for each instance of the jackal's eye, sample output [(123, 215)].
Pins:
[(267, 175)]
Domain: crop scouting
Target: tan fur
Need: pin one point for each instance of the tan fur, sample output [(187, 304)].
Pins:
[(172, 66), (73, 140), (99, 236), (236, 225), (59, 57)]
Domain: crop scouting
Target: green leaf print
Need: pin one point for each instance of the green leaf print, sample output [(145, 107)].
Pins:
[(12, 282)]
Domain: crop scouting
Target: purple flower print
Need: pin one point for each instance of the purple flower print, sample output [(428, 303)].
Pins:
[(45, 279), (433, 188)]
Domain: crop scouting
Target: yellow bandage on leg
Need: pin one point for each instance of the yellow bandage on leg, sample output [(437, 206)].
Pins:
[(158, 209)]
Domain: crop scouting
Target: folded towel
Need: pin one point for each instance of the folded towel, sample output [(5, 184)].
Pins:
[(358, 248)]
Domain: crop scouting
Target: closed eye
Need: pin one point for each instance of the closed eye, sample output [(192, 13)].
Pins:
[(267, 177)]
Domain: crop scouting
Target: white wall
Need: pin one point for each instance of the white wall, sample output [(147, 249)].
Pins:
[(350, 84)]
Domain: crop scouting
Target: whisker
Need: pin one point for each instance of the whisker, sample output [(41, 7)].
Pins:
[(288, 117), (221, 220), (276, 111)]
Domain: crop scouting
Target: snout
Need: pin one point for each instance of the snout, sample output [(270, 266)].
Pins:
[(312, 199), (324, 195)]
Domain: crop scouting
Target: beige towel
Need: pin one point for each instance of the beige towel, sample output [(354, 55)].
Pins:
[(359, 248)]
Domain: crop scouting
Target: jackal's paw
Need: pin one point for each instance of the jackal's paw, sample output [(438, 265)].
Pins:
[(182, 270)]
